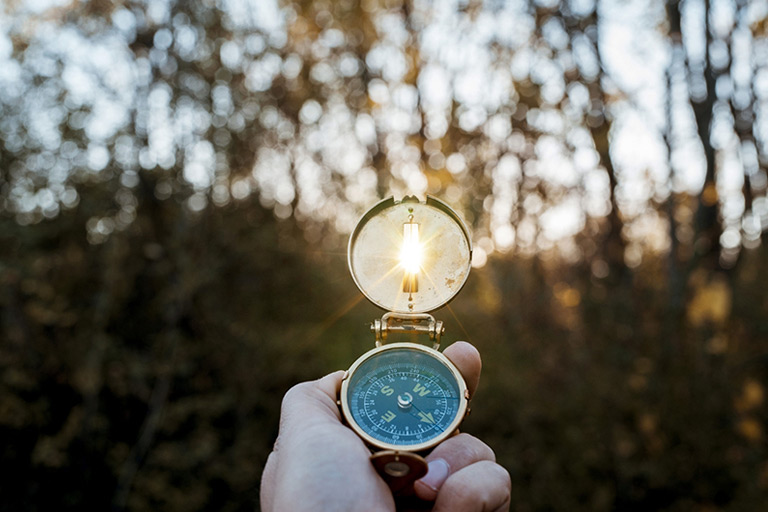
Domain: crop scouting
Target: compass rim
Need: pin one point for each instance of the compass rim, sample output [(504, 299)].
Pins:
[(426, 445)]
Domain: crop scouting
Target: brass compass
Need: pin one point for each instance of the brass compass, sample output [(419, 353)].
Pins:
[(404, 398)]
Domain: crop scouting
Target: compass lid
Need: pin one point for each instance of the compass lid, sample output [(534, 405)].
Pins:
[(405, 268)]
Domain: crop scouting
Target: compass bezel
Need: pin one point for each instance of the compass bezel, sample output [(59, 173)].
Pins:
[(376, 443)]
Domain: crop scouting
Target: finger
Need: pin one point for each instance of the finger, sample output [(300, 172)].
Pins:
[(467, 360), (481, 487), (450, 456), (314, 400), (268, 481), (307, 402)]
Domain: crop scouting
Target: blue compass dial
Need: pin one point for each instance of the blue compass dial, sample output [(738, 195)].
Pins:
[(403, 397)]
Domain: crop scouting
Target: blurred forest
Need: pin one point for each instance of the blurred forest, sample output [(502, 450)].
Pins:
[(178, 181)]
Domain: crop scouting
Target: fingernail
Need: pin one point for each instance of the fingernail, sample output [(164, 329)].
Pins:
[(437, 473)]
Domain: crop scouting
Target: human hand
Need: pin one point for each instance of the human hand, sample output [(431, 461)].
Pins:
[(318, 464)]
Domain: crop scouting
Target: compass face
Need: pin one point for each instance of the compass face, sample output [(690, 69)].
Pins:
[(404, 396)]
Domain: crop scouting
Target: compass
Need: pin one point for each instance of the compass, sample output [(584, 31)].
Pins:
[(403, 398)]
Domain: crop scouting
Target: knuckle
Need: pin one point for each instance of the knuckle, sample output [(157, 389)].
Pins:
[(474, 449), (293, 397), (485, 486), (298, 391), (501, 491), (501, 475)]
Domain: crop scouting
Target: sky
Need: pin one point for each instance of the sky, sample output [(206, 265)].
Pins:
[(458, 64)]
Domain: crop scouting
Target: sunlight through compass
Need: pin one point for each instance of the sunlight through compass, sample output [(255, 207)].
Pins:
[(410, 256)]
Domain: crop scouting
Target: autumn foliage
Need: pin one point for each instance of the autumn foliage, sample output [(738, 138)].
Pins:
[(178, 181)]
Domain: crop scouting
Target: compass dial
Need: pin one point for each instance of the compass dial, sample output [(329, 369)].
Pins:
[(404, 396)]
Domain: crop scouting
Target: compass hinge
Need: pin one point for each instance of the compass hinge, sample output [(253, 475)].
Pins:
[(422, 323)]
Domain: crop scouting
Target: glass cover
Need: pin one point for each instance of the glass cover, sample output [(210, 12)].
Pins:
[(404, 397)]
